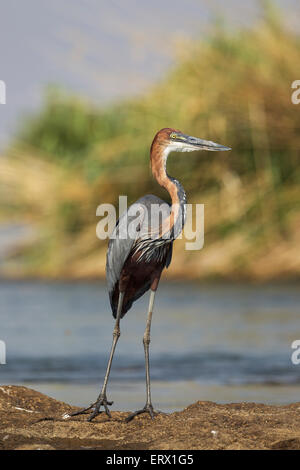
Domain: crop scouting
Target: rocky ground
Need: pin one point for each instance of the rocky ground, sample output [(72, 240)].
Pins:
[(203, 425)]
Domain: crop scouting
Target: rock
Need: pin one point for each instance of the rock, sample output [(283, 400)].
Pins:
[(34, 447), (33, 421)]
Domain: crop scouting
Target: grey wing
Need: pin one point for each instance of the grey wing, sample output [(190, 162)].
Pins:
[(121, 243)]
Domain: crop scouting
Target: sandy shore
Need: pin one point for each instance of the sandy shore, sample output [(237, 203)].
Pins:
[(203, 425)]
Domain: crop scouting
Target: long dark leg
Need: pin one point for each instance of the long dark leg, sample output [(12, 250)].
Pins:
[(146, 342), (102, 399), (148, 408)]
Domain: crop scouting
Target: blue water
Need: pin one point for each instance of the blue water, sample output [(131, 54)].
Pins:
[(221, 343)]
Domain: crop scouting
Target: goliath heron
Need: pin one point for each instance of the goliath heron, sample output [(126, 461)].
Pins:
[(135, 263)]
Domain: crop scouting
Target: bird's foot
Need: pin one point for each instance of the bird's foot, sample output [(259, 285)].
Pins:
[(148, 408), (101, 401)]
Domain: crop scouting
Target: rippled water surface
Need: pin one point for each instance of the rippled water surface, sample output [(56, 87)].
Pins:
[(221, 343)]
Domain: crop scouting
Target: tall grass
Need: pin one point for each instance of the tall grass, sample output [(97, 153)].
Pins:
[(233, 88)]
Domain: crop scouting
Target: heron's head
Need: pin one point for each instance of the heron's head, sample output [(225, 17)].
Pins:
[(175, 141)]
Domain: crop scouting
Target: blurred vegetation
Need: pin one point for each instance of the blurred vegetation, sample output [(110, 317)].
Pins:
[(233, 88)]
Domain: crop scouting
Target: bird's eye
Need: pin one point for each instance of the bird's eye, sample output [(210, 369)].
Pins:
[(173, 135)]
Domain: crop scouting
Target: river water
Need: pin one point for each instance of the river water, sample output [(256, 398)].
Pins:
[(224, 343)]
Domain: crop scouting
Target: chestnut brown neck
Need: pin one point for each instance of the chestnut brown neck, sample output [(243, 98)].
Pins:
[(176, 220)]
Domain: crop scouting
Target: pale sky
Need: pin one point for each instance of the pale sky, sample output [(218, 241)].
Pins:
[(101, 49)]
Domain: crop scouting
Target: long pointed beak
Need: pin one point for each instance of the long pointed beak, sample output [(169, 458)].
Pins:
[(206, 144)]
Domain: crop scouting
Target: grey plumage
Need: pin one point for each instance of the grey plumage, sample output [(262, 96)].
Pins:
[(121, 245)]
